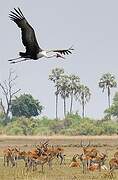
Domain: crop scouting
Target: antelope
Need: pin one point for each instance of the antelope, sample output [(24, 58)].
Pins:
[(23, 155), (9, 157), (84, 161), (89, 151), (97, 162), (87, 155), (74, 162), (40, 160), (116, 155), (38, 155), (93, 166), (113, 163), (58, 151)]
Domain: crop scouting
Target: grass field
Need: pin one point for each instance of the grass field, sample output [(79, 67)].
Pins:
[(71, 146)]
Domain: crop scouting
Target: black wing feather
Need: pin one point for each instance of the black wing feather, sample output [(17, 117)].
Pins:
[(28, 34), (64, 51)]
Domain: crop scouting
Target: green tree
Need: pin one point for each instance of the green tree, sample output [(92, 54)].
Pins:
[(108, 81), (83, 96), (113, 110), (55, 76), (74, 84), (25, 105)]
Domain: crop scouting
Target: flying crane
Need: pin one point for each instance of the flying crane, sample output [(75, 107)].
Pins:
[(33, 50)]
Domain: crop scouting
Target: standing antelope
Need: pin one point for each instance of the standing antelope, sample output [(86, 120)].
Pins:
[(58, 151), (34, 160), (9, 157), (87, 155)]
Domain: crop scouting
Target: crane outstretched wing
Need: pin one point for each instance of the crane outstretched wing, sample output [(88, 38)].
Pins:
[(28, 34), (64, 51)]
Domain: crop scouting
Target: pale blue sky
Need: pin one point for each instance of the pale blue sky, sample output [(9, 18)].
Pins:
[(90, 25)]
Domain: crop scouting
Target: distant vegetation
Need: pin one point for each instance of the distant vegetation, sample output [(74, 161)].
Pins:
[(19, 115), (72, 125)]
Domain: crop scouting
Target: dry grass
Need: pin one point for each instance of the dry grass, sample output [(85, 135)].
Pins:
[(71, 146)]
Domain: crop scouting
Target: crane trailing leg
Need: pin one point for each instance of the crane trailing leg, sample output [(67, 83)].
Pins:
[(12, 61), (22, 55), (15, 59)]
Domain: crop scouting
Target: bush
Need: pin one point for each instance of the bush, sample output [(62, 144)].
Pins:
[(1, 118), (71, 125), (69, 132), (110, 127), (14, 131), (56, 126), (42, 131)]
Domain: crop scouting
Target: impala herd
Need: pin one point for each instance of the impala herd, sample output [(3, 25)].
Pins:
[(90, 159), (39, 155)]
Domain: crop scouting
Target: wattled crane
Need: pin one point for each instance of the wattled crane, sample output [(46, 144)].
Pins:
[(33, 50)]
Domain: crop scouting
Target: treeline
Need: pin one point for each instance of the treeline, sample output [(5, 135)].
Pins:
[(72, 125), (20, 114), (67, 87)]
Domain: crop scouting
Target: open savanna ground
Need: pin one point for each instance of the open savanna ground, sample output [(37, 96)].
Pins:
[(71, 145)]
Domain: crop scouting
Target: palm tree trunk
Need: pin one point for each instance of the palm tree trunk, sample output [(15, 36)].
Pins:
[(109, 101), (71, 103), (56, 106), (83, 106), (83, 110), (65, 107)]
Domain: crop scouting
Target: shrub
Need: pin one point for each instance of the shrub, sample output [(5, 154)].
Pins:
[(56, 126), (71, 125)]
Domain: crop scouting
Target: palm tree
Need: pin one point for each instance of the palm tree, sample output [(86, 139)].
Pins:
[(63, 85), (74, 83), (55, 76), (83, 96), (107, 81)]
